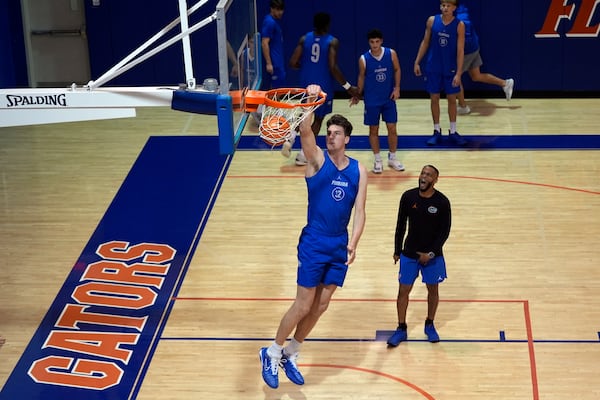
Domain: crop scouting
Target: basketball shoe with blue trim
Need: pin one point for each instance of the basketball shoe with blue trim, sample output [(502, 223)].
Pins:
[(288, 363), (270, 368)]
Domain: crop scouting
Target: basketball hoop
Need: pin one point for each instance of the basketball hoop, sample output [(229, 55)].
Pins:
[(283, 110)]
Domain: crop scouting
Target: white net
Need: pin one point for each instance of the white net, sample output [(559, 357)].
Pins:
[(283, 111)]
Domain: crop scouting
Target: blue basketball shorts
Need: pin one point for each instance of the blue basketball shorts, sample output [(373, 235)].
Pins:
[(325, 108), (386, 111), (275, 81), (432, 273), (437, 83), (321, 259)]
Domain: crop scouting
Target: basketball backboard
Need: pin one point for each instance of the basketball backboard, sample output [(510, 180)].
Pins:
[(238, 63), (239, 57)]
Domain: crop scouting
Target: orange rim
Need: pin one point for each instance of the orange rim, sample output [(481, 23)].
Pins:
[(269, 101), (253, 98)]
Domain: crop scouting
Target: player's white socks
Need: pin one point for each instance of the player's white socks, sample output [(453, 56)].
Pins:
[(453, 127), (292, 348), (274, 351)]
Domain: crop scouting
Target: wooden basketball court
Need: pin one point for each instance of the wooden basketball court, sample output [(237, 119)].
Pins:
[(519, 315)]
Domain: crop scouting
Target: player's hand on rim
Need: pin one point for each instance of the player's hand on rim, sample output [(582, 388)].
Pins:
[(313, 91)]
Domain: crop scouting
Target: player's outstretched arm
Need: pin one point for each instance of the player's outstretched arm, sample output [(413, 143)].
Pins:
[(312, 152)]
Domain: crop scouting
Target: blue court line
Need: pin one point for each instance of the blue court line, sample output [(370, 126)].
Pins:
[(345, 340), (475, 142)]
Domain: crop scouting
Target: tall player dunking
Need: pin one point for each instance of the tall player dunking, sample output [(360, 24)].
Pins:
[(337, 185)]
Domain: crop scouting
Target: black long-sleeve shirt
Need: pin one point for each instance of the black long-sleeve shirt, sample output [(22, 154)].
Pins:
[(429, 221)]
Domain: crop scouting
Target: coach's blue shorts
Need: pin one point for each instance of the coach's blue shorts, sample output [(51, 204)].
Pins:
[(321, 259), (387, 111), (437, 83), (432, 273)]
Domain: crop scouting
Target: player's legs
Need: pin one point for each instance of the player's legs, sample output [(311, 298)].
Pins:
[(451, 107), (451, 93), (289, 355), (433, 299), (408, 272), (319, 306), (402, 302), (434, 99), (435, 116), (374, 138), (389, 114), (471, 60), (329, 267), (400, 334), (299, 309), (371, 118), (272, 356), (462, 103), (433, 275), (434, 85), (392, 136), (478, 76)]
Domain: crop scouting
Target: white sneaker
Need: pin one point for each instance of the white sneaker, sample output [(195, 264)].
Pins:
[(508, 88), (301, 159), (463, 110), (378, 167), (286, 149), (395, 164)]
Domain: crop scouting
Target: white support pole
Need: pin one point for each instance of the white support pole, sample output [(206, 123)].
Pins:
[(117, 69), (156, 50), (187, 49), (160, 48)]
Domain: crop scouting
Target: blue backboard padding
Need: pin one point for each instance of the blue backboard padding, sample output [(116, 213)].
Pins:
[(195, 102), (165, 199)]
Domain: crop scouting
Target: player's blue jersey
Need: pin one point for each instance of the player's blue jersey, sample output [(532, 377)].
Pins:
[(272, 30), (379, 78), (471, 38), (314, 64), (331, 196), (441, 55)]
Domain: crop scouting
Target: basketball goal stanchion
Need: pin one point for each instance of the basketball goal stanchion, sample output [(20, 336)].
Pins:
[(236, 27), (282, 111)]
